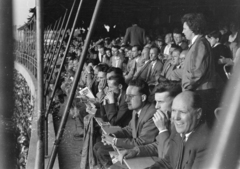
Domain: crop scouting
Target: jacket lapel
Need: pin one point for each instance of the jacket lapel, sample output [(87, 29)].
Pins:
[(142, 115), (142, 69)]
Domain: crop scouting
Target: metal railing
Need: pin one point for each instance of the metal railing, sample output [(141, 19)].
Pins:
[(27, 60)]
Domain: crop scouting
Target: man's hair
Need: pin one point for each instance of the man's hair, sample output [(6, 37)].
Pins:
[(119, 80), (103, 68), (178, 48), (196, 22), (93, 61), (139, 48), (142, 85), (197, 101), (215, 34), (177, 31), (107, 49), (116, 47), (155, 47), (101, 46), (174, 88), (116, 70)]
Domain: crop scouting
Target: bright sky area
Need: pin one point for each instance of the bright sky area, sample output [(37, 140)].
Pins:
[(21, 11)]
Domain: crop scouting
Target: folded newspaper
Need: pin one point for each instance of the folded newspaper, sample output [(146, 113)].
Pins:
[(87, 94)]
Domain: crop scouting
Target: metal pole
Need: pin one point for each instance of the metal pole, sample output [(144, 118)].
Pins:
[(62, 64), (54, 90), (8, 141), (75, 82), (47, 35), (50, 37), (48, 66), (54, 64), (39, 53), (50, 49), (46, 122), (224, 148)]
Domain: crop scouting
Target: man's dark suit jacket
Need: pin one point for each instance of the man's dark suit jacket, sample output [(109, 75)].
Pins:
[(184, 45), (199, 69), (153, 75), (135, 36), (117, 115), (217, 51), (188, 155), (142, 73), (140, 133)]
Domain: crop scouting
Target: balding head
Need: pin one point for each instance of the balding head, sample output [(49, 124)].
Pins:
[(186, 111)]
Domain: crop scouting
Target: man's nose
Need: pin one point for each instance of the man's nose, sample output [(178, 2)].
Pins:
[(157, 106), (176, 115)]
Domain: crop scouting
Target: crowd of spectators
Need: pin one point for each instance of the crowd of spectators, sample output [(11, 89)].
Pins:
[(23, 115), (161, 91)]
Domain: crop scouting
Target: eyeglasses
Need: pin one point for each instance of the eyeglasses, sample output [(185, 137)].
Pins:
[(130, 96)]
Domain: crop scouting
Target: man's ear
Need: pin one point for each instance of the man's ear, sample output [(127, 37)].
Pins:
[(120, 86), (199, 113), (144, 97)]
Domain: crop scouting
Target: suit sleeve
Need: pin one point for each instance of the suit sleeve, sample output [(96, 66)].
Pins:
[(158, 148), (147, 135), (198, 67), (114, 114), (127, 36)]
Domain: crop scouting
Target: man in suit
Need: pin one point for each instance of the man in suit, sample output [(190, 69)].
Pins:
[(171, 64), (115, 109), (169, 42), (178, 38), (164, 95), (135, 35), (135, 62), (199, 69), (155, 68), (140, 131), (117, 59), (220, 52), (176, 74), (187, 145), (143, 70)]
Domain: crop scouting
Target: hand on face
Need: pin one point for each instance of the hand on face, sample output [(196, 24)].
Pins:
[(160, 120)]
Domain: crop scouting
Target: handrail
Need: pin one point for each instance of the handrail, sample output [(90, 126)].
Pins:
[(27, 60)]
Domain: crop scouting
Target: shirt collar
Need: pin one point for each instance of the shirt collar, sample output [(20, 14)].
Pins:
[(216, 45), (138, 113), (194, 39), (186, 136)]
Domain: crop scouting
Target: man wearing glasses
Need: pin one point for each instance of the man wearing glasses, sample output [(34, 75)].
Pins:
[(141, 129)]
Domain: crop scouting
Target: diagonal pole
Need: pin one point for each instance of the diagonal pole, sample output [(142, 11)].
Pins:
[(48, 67), (57, 56), (52, 45), (75, 82)]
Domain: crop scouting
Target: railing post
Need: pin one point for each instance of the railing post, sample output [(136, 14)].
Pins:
[(39, 53), (7, 132), (60, 45), (75, 82)]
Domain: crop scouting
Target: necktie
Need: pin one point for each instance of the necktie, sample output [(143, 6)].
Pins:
[(166, 70), (134, 132)]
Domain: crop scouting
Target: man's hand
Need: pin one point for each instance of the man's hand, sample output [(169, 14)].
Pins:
[(106, 139), (160, 120), (102, 84), (126, 154)]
